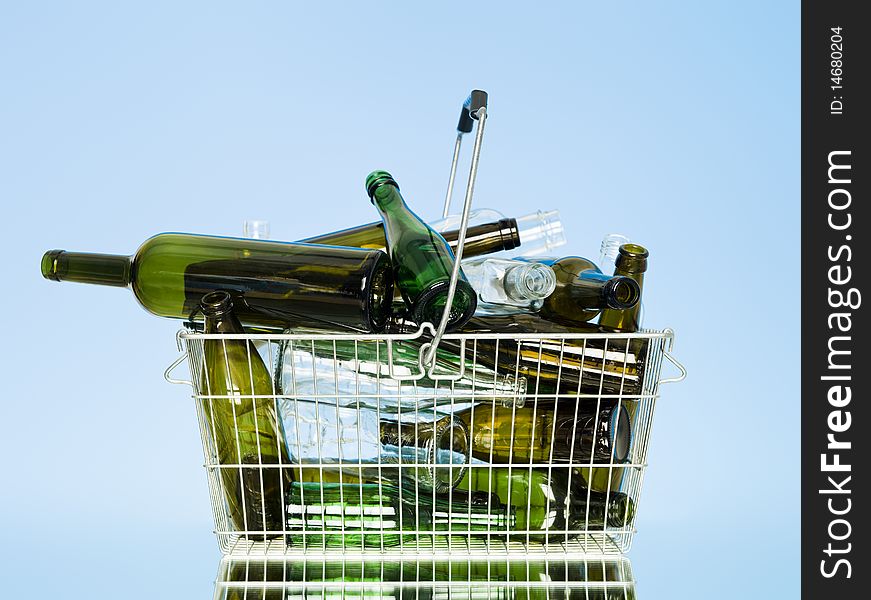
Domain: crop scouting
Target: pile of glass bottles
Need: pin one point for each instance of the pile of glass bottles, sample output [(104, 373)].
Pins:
[(323, 446)]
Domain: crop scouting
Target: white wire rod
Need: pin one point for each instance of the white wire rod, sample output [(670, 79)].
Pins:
[(420, 465), (454, 161), (384, 337)]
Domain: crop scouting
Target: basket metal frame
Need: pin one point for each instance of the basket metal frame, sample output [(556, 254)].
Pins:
[(426, 544)]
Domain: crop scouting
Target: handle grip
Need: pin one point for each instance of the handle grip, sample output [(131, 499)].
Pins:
[(469, 111)]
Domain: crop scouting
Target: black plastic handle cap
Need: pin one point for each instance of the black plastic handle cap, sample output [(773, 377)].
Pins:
[(468, 113)]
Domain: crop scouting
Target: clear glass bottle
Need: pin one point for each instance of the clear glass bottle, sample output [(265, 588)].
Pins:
[(360, 443), (609, 250), (506, 286)]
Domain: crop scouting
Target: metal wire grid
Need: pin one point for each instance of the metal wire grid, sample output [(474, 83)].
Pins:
[(586, 578), (393, 379)]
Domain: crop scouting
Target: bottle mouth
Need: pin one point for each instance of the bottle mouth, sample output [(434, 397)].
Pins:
[(49, 264), (632, 258), (430, 305), (379, 303), (621, 510), (531, 281), (622, 292), (541, 232), (620, 430), (216, 303), (376, 179), (449, 454)]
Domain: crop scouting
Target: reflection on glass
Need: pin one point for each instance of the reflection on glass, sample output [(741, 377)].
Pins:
[(599, 578)]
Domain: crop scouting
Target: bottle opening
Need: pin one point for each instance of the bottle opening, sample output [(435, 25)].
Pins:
[(49, 264), (622, 293), (376, 179), (450, 454), (380, 301), (621, 434), (532, 281), (215, 303)]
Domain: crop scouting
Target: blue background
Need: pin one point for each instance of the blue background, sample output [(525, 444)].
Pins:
[(674, 123)]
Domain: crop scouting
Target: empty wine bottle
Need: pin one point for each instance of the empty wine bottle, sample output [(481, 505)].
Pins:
[(362, 444), (377, 515), (246, 433), (484, 238), (560, 431), (362, 374), (631, 263), (505, 285), (422, 259), (551, 504), (565, 366), (582, 291), (273, 283)]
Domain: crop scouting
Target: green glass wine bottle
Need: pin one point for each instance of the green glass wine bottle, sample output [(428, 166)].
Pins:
[(551, 504), (631, 263), (565, 366), (481, 239), (381, 515), (274, 284), (244, 430), (583, 291), (422, 259), (560, 431)]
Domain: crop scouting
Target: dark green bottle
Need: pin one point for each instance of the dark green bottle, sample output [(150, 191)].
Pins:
[(375, 515), (244, 430), (551, 504), (480, 239), (585, 366), (274, 284), (583, 291), (422, 259), (631, 263)]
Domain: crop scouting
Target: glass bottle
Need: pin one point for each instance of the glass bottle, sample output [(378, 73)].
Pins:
[(273, 284), (559, 431), (376, 515), (509, 285), (551, 504), (582, 291), (384, 375), (359, 443), (422, 259), (581, 366), (631, 263), (481, 238), (609, 250), (540, 232), (244, 430)]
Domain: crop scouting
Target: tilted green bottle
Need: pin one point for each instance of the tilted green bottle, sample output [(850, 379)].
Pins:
[(560, 431), (274, 284), (551, 504), (376, 515), (583, 291), (422, 259), (581, 366), (481, 239), (244, 430), (631, 263)]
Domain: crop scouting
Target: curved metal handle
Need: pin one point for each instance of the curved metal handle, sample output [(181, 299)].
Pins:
[(168, 373), (468, 115), (478, 110), (680, 367)]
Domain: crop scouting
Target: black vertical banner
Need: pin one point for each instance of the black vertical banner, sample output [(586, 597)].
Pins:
[(836, 236)]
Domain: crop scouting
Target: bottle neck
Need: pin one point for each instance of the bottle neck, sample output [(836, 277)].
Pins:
[(86, 267), (592, 288), (529, 282), (487, 238)]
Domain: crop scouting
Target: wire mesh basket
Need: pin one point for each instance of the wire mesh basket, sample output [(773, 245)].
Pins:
[(532, 444), (426, 442)]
